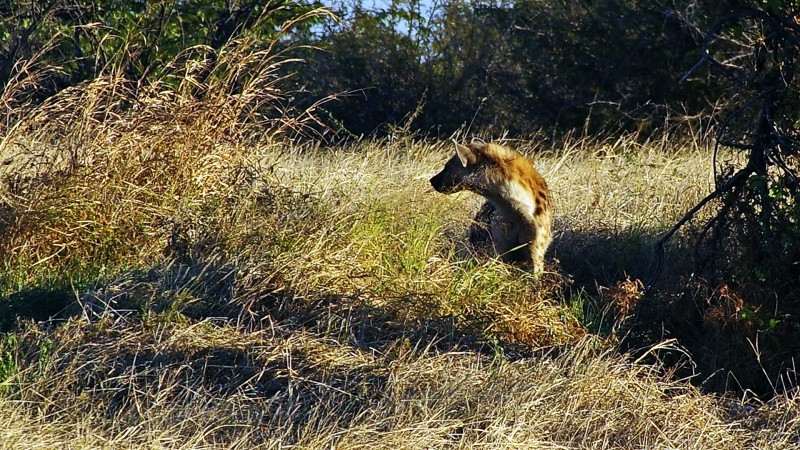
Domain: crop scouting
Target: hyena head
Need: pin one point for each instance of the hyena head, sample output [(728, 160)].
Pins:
[(465, 170)]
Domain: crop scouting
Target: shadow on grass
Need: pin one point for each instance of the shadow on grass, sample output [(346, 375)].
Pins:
[(604, 257), (720, 337), (212, 333), (256, 301), (37, 304)]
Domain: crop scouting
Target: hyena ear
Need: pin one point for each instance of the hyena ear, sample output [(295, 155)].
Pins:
[(466, 154)]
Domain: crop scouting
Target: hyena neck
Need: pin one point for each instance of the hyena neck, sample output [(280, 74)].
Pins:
[(512, 198)]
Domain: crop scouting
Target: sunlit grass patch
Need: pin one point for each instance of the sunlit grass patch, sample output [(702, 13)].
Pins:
[(326, 297)]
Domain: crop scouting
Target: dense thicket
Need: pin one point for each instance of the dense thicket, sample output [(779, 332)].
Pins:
[(505, 65), (749, 244), (521, 65), (509, 65)]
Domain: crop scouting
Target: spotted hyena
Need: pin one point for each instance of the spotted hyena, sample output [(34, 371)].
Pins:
[(517, 218)]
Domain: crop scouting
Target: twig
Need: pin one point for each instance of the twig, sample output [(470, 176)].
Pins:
[(739, 177)]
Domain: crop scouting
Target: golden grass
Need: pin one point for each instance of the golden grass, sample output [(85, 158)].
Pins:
[(205, 385), (322, 302), (615, 198)]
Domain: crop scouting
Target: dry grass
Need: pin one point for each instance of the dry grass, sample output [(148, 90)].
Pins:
[(322, 302), (615, 198), (206, 385), (183, 279)]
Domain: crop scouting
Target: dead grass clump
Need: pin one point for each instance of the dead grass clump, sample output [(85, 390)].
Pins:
[(724, 311), (775, 424), (624, 297), (126, 208), (125, 384), (736, 343), (105, 174), (572, 401)]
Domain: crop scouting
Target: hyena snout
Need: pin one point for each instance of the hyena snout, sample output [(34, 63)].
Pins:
[(438, 183), (447, 182)]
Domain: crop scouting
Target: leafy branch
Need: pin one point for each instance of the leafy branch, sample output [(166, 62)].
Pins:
[(761, 73)]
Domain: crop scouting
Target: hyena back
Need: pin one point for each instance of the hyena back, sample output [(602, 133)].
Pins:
[(517, 218)]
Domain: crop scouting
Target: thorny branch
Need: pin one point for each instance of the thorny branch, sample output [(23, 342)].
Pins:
[(768, 146)]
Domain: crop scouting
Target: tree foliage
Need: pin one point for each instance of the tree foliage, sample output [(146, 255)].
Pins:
[(66, 42), (513, 66), (510, 65), (748, 251)]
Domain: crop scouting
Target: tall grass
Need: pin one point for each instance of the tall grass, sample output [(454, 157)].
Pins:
[(177, 273), (101, 174)]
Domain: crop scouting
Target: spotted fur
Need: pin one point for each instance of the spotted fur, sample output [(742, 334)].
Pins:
[(517, 218)]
